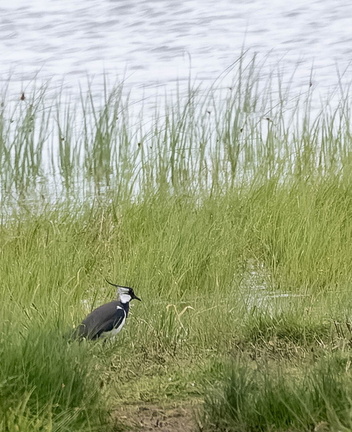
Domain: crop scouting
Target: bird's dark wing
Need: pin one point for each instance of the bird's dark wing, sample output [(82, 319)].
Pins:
[(100, 320)]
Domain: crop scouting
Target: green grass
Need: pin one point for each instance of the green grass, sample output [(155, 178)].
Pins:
[(266, 398), (228, 214), (188, 263), (49, 383)]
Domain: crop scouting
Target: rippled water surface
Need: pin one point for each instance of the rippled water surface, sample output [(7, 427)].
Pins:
[(156, 42), (152, 45)]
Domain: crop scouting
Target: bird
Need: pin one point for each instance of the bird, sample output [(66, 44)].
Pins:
[(108, 319)]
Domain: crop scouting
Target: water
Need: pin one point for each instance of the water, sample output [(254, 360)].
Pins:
[(154, 45), (157, 42)]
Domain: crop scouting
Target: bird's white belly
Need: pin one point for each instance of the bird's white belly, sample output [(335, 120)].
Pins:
[(114, 331), (118, 329)]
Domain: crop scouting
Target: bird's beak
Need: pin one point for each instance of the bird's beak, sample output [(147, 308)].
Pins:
[(135, 297)]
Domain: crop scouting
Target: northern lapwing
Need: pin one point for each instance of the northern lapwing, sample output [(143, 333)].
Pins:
[(108, 319)]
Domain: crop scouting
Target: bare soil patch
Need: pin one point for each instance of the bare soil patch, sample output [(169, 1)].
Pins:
[(173, 418)]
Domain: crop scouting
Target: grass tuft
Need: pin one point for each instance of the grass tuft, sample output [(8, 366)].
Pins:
[(46, 382), (275, 399)]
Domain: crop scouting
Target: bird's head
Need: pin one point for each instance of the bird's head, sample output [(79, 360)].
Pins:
[(124, 294)]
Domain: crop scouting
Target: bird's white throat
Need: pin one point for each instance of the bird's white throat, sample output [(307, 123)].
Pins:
[(123, 294), (125, 298)]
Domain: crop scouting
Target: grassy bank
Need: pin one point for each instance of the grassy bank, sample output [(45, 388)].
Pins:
[(197, 269), (232, 223)]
